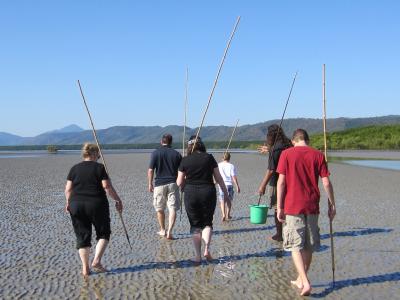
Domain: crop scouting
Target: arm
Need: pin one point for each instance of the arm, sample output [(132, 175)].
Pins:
[(280, 195), (180, 180), (236, 183), (67, 192), (331, 198), (220, 181), (264, 182), (150, 176), (113, 194)]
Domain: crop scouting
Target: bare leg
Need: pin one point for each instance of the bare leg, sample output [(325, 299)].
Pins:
[(84, 255), (278, 236), (228, 209), (222, 204), (161, 221), (197, 246), (307, 258), (171, 222), (300, 267), (206, 236), (100, 248)]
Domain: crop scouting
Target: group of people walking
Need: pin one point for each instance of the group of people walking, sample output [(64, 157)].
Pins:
[(292, 177)]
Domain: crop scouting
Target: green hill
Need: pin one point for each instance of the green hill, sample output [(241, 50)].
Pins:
[(375, 137)]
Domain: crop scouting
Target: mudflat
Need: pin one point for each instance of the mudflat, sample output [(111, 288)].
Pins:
[(38, 259)]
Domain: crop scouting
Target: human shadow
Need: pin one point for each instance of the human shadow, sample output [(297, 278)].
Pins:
[(360, 232), (187, 263), (247, 218), (358, 281), (242, 230), (180, 236)]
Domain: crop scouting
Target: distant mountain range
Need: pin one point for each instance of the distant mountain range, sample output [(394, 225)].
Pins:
[(73, 134)]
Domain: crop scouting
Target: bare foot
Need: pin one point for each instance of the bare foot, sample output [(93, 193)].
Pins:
[(196, 261), (169, 236), (223, 219), (306, 291), (276, 238), (207, 255), (85, 273), (298, 283), (161, 233), (99, 268)]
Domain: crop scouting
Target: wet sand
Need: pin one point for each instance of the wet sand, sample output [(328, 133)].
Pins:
[(38, 257)]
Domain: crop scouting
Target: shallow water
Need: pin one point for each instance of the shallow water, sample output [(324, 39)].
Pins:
[(38, 257), (380, 164)]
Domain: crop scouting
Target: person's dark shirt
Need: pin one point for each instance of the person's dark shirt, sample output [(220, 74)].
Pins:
[(86, 178), (199, 168), (273, 159), (165, 161)]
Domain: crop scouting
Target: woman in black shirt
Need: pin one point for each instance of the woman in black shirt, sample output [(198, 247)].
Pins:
[(85, 192), (195, 176)]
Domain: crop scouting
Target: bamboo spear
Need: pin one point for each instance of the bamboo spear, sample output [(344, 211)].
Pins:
[(102, 157), (184, 111), (230, 140), (184, 128), (271, 151), (326, 159), (216, 79)]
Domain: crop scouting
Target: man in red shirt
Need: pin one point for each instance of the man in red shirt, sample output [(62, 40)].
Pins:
[(298, 196)]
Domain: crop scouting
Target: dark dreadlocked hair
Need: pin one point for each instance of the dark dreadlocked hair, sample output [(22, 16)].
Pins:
[(276, 133)]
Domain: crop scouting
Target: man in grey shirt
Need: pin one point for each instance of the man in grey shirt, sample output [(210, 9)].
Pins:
[(165, 162)]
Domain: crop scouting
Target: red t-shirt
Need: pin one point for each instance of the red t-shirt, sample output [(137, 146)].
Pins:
[(302, 166)]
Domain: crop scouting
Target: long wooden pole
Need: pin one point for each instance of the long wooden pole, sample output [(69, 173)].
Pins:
[(185, 112), (216, 79), (230, 140), (102, 157), (326, 159), (271, 151), (184, 130), (324, 112)]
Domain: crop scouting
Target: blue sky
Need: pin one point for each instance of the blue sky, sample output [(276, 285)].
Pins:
[(131, 59)]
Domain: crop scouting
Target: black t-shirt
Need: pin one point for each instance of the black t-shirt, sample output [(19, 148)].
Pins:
[(199, 168), (273, 159), (165, 161), (86, 179)]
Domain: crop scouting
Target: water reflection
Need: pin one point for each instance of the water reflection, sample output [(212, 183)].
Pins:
[(93, 288)]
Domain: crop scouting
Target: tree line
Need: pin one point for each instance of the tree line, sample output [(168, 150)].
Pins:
[(375, 137)]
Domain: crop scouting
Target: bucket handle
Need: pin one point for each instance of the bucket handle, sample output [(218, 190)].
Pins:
[(259, 199)]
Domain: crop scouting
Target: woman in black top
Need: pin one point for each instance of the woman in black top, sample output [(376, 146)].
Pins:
[(195, 176), (276, 142), (85, 192)]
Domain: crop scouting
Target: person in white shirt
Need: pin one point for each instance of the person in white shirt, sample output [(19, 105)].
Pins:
[(228, 173)]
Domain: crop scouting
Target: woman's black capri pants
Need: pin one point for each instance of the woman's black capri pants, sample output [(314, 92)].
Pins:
[(86, 212), (200, 202)]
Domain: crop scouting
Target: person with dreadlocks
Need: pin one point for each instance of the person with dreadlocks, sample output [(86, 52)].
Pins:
[(276, 142)]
